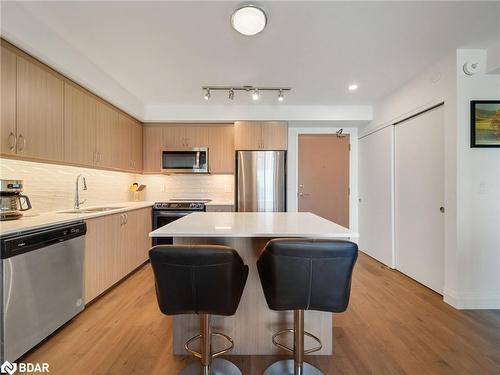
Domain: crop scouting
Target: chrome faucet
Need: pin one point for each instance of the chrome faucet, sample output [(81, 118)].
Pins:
[(77, 191)]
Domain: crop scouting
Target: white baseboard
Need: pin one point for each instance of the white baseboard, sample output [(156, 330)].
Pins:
[(472, 300)]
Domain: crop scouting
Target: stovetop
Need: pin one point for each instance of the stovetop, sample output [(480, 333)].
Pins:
[(182, 204)]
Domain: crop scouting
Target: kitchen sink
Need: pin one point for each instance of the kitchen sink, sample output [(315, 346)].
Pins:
[(89, 210)]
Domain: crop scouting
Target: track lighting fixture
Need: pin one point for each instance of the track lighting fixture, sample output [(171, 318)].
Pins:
[(280, 96), (255, 95), (253, 90), (207, 94)]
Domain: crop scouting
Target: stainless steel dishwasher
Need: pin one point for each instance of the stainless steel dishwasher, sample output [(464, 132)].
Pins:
[(42, 284)]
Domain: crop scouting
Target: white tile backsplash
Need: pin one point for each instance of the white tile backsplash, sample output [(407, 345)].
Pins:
[(164, 187), (51, 187)]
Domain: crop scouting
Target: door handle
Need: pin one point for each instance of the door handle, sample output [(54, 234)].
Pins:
[(21, 137), (442, 209), (12, 144), (304, 194)]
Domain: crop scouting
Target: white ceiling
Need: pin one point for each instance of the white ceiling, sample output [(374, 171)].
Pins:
[(161, 53)]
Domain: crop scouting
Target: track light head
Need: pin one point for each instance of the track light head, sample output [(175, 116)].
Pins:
[(207, 94), (280, 96), (231, 94), (256, 94)]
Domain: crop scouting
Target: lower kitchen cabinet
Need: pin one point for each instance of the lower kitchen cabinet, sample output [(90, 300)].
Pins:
[(115, 245)]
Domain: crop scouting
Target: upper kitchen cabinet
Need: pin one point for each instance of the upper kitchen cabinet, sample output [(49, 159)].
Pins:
[(80, 126), (130, 141), (107, 144), (39, 112), (8, 134), (260, 135), (184, 136), (195, 136), (152, 148), (221, 149)]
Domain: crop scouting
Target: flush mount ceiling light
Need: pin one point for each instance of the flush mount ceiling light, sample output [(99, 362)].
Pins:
[(249, 19), (353, 87), (255, 91)]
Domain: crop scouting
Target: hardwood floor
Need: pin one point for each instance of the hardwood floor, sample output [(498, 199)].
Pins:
[(393, 326)]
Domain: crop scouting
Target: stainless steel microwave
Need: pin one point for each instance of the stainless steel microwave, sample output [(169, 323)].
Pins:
[(193, 160)]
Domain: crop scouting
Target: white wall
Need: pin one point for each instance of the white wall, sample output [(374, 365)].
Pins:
[(472, 176), (292, 168), (478, 196)]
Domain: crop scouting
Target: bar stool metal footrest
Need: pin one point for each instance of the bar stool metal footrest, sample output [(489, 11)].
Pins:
[(290, 350), (213, 355)]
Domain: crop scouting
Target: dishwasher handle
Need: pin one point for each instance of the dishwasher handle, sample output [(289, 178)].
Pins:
[(33, 240)]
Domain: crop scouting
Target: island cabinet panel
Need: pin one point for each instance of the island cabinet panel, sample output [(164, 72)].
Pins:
[(8, 133), (152, 148), (80, 126), (39, 112), (261, 135), (221, 149), (115, 245)]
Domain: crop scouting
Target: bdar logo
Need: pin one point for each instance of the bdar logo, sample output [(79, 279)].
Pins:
[(8, 368)]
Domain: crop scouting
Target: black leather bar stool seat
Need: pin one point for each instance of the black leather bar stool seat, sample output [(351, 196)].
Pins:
[(305, 274), (204, 280)]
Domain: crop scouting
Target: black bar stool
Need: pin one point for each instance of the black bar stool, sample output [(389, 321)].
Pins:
[(305, 274), (201, 280)]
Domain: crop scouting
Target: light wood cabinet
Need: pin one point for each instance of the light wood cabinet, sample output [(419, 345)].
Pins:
[(115, 245), (184, 136), (8, 102), (107, 144), (130, 140), (152, 148), (221, 149), (47, 117), (261, 135), (39, 112), (80, 126)]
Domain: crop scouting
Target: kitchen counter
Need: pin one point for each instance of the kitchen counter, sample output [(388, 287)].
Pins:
[(28, 222), (253, 324), (253, 224)]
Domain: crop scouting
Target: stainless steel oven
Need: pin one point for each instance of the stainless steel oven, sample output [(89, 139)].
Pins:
[(194, 160), (166, 212)]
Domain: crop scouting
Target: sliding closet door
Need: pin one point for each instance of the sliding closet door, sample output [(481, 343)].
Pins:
[(419, 198)]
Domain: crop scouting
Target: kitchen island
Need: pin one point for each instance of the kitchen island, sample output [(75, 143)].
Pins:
[(254, 323)]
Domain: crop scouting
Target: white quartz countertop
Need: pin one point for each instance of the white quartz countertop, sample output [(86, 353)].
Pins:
[(253, 224), (29, 222)]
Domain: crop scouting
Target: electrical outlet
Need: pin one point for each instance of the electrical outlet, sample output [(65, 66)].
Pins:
[(162, 188)]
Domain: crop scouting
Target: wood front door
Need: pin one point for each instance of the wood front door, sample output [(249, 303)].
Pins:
[(323, 176)]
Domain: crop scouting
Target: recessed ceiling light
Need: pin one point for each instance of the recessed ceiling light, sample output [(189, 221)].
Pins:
[(353, 87), (249, 19)]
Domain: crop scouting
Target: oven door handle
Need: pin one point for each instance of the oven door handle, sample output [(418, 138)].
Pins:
[(172, 214)]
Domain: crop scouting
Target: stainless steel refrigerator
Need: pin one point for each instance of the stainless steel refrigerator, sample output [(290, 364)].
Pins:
[(260, 181)]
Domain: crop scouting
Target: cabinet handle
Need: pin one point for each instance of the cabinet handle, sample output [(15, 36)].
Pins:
[(12, 144), (99, 158), (126, 218), (21, 137)]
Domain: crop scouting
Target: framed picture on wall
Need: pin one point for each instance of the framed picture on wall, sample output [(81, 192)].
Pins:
[(485, 123)]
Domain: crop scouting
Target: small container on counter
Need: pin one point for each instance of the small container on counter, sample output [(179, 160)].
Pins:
[(137, 192)]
